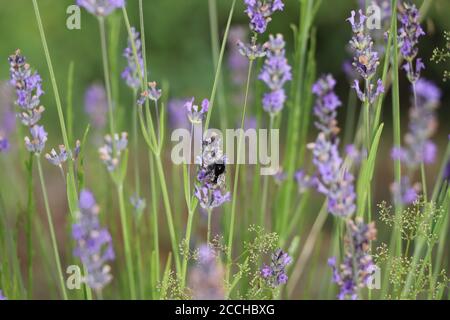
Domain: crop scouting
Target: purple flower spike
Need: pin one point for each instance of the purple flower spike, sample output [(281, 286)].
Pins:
[(354, 271), (332, 180), (131, 72), (260, 12), (409, 34), (93, 243), (405, 193), (211, 175), (2, 297), (275, 274), (101, 8), (275, 73), (28, 86), (422, 126)]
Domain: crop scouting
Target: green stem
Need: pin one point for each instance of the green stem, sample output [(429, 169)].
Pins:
[(265, 188), (219, 67), (168, 210), (208, 237), (126, 242), (154, 212), (30, 215), (51, 229), (101, 22), (236, 177)]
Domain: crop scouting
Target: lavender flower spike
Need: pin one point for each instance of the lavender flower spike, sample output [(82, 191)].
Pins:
[(332, 180), (211, 175), (408, 35), (28, 86), (93, 243), (354, 271), (275, 273), (101, 8), (275, 73), (260, 11), (422, 125), (131, 72)]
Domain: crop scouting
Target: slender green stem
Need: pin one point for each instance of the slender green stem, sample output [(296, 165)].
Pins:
[(165, 194), (154, 212), (208, 236), (219, 67), (262, 216), (214, 30), (51, 229), (137, 176), (30, 215), (126, 242), (101, 22), (236, 177)]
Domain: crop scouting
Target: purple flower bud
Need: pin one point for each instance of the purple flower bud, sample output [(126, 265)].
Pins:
[(57, 159), (194, 112)]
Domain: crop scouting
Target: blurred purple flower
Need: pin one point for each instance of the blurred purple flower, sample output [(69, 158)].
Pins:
[(101, 8), (96, 105), (207, 277), (178, 114), (405, 193), (422, 125), (236, 62), (2, 297), (93, 243)]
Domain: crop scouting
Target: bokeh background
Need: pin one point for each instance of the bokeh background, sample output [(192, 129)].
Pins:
[(179, 53)]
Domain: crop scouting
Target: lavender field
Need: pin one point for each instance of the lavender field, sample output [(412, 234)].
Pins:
[(224, 149)]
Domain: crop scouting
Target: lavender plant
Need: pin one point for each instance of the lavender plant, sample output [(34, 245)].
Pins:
[(273, 235)]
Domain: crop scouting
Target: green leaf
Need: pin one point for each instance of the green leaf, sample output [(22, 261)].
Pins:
[(366, 173)]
